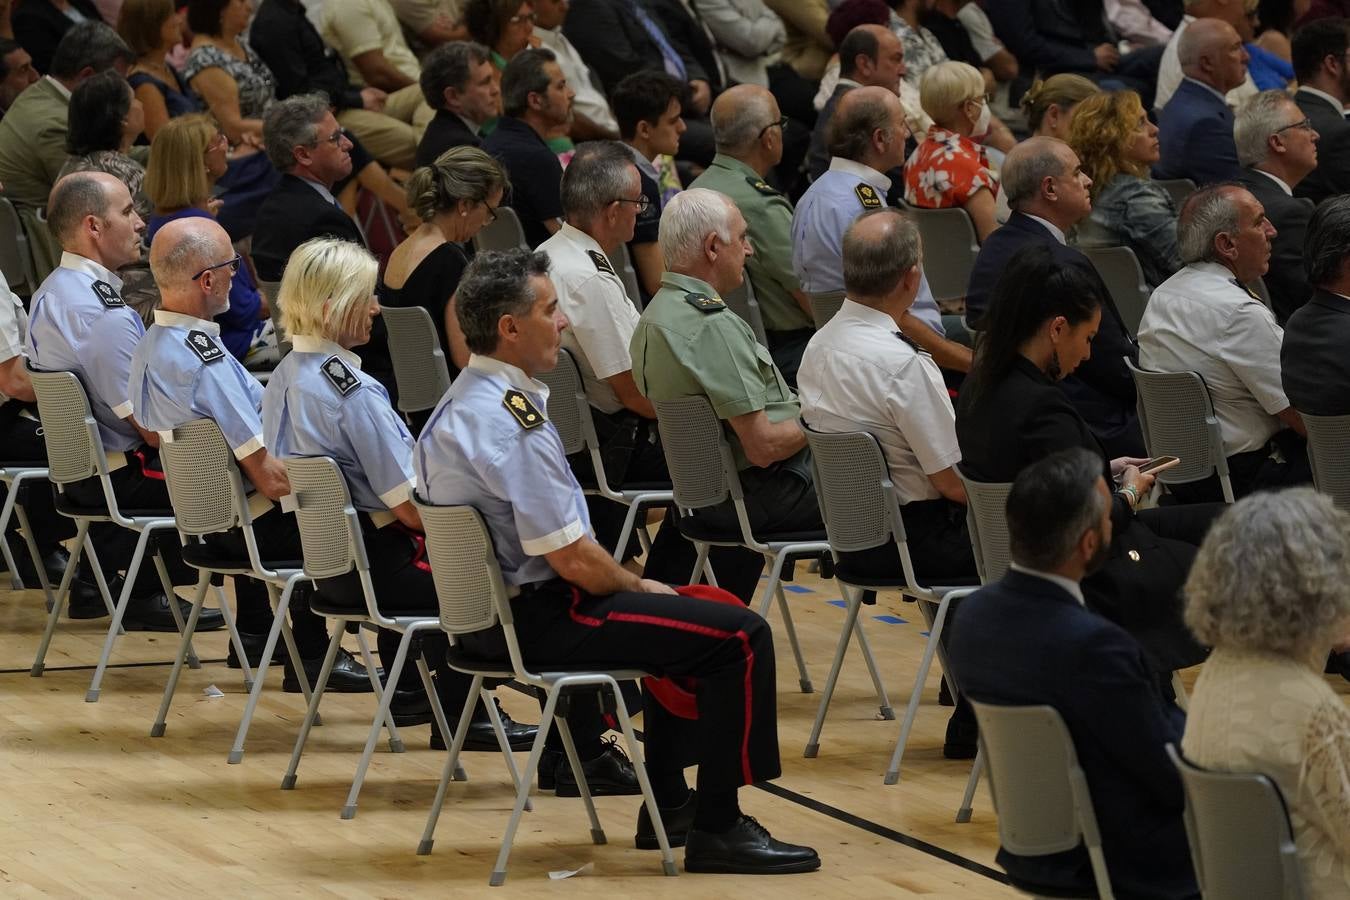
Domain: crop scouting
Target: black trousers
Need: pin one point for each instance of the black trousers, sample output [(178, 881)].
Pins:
[(787, 348), (728, 649), (22, 441), (939, 546), (1282, 462)]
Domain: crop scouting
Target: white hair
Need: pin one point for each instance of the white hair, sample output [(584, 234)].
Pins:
[(688, 219)]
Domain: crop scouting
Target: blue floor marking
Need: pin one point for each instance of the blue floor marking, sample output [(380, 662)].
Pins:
[(891, 620)]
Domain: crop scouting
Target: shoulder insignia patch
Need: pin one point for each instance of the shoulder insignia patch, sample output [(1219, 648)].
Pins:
[(601, 262), (107, 294), (341, 377), (762, 186), (1248, 291), (524, 411), (207, 350), (867, 195), (704, 303)]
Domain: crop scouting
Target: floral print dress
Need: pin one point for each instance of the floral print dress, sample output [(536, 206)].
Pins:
[(946, 170)]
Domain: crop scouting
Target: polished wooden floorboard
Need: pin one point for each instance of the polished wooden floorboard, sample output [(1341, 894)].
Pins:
[(94, 807)]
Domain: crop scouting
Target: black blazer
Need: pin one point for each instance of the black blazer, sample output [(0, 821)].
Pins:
[(1287, 278), (1332, 175), (689, 39), (1102, 389), (39, 26), (444, 131), (1026, 641), (614, 43), (1314, 362), (300, 61)]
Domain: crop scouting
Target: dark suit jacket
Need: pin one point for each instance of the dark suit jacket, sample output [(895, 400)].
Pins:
[(1287, 278), (300, 61), (614, 43), (1025, 641), (39, 27), (1102, 389), (1314, 361), (818, 156), (1195, 137), (687, 35), (1332, 175), (1053, 35), (444, 131)]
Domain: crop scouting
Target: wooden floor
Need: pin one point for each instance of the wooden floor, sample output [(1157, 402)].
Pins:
[(94, 807)]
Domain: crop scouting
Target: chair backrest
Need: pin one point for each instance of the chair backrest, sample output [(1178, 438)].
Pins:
[(1124, 278), (1177, 188), (696, 451), (1238, 828), (204, 484), (1040, 793), (567, 402), (824, 305), (15, 259), (1178, 420), (952, 246), (987, 522), (743, 303), (468, 580), (1328, 436), (503, 233), (330, 533), (419, 363), (627, 273), (68, 426)]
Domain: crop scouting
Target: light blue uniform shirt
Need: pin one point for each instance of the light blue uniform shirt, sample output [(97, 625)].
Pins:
[(823, 214), (318, 402), (180, 372), (80, 324), (481, 448)]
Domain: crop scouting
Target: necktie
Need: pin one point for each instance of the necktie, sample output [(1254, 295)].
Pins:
[(674, 65)]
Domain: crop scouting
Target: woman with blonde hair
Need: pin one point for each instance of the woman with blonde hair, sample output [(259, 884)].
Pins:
[(318, 402), (1270, 592), (949, 168), (1116, 144), (1049, 105)]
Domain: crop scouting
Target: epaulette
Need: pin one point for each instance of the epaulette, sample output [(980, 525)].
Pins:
[(522, 409), (601, 261), (339, 376), (107, 295), (867, 195), (200, 343), (762, 186), (704, 303)]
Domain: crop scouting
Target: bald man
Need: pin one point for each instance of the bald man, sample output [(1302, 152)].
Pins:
[(1195, 131), (1234, 12)]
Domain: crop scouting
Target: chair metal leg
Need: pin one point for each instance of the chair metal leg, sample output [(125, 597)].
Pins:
[(930, 648), (546, 721), (963, 814), (62, 592), (395, 742), (840, 651), (490, 704), (172, 598), (804, 677), (34, 554), (570, 746), (640, 769), (260, 677), (771, 586), (700, 563), (198, 599), (437, 710), (92, 555), (386, 696), (288, 780), (136, 557), (235, 640), (447, 771), (629, 523), (11, 500), (883, 699)]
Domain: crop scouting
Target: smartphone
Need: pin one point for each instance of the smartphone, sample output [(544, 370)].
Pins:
[(1158, 464)]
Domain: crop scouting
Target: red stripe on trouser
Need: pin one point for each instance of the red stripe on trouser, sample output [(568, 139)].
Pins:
[(419, 557), (692, 628), (145, 466)]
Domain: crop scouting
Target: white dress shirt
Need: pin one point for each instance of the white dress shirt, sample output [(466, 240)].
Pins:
[(1201, 320)]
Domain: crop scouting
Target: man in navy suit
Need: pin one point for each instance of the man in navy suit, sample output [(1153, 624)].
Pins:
[(1195, 130), (1048, 193), (1029, 640)]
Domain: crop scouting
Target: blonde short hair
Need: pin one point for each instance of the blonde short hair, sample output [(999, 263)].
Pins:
[(945, 86), (327, 288), (175, 177)]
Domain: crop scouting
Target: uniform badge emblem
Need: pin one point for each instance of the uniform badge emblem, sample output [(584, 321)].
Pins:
[(207, 350), (867, 196), (107, 294), (524, 411), (704, 303), (601, 261), (762, 186), (341, 377)]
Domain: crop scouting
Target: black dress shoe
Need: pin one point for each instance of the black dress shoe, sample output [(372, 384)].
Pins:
[(608, 775), (410, 708), (254, 644), (151, 613), (481, 736), (85, 601), (677, 819), (962, 733), (54, 563), (746, 848), (347, 676)]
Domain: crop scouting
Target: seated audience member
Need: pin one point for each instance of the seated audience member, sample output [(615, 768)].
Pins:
[(225, 72), (1269, 592), (1324, 88), (1171, 71), (808, 46), (1117, 143), (535, 100), (1277, 147), (455, 197), (1204, 319), (695, 44), (429, 23), (480, 452), (1027, 640), (1314, 367), (703, 240), (944, 21), (503, 26), (187, 159), (302, 63), (869, 56), (367, 35), (1010, 414), (949, 168), (922, 48), (80, 324), (1275, 26), (592, 119), (16, 72), (1049, 107), (748, 37), (617, 38), (748, 128), (153, 28), (649, 107), (867, 138), (995, 54), (1135, 23), (178, 374), (1195, 130), (39, 25), (319, 402), (458, 81), (1050, 195)]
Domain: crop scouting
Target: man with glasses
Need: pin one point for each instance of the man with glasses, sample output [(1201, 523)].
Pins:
[(1277, 146), (1321, 56)]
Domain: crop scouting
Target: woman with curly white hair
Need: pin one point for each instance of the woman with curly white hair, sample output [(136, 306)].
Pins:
[(1270, 591)]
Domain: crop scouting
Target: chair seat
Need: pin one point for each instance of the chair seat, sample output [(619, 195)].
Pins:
[(851, 576), (467, 661), (326, 607), (204, 557), (22, 464), (696, 530), (68, 507)]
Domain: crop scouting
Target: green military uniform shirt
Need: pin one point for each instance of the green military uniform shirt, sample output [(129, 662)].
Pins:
[(768, 218), (688, 343)]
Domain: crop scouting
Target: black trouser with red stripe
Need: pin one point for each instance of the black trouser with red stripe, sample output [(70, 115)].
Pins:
[(728, 649)]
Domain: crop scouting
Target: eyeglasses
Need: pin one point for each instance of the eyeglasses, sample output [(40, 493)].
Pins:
[(492, 211), (219, 140), (1305, 124), (520, 19), (642, 203), (232, 263), (781, 123), (335, 138)]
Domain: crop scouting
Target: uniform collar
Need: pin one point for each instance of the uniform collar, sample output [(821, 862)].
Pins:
[(514, 375), (866, 173), (580, 238), (168, 319), (867, 315), (687, 283), (735, 165), (87, 266), (308, 343), (1217, 270)]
